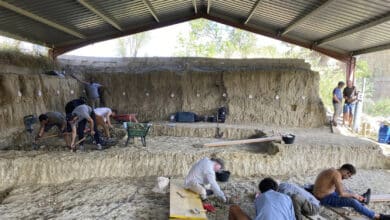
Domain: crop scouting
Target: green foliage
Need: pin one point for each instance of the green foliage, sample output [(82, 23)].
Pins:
[(378, 108), (210, 39), (12, 55)]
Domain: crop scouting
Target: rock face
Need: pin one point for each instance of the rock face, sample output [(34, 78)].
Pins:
[(264, 91)]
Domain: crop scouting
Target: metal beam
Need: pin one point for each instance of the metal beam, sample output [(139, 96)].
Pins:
[(307, 16), (352, 30), (40, 19), (208, 6), (99, 13), (344, 57), (151, 9), (252, 11), (195, 8), (371, 49)]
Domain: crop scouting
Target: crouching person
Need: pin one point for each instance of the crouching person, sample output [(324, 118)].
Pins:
[(79, 118), (51, 119), (203, 173)]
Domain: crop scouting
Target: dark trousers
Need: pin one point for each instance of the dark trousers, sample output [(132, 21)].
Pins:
[(81, 127)]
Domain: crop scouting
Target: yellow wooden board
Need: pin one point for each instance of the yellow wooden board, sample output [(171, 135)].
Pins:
[(182, 201)]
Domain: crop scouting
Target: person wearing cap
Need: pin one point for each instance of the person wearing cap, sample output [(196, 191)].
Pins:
[(337, 101), (201, 174)]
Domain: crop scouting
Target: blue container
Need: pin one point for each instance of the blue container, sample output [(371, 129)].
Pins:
[(384, 134)]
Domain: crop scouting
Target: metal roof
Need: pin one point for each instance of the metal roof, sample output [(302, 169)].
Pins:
[(337, 28)]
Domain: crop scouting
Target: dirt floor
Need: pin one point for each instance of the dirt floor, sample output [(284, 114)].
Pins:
[(132, 198), (115, 183)]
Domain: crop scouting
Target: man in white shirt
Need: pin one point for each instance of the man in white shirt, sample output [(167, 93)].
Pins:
[(103, 118), (203, 173)]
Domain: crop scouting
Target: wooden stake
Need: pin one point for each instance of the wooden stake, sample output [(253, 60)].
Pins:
[(245, 141)]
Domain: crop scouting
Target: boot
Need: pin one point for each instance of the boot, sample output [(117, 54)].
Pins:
[(367, 196), (384, 217)]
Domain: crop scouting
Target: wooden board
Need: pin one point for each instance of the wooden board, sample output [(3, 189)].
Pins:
[(180, 208), (245, 141), (380, 198), (347, 214)]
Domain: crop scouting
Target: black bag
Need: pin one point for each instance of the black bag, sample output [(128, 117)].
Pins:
[(222, 112), (185, 117)]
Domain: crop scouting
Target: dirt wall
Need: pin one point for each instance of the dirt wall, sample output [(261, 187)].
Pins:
[(266, 91)]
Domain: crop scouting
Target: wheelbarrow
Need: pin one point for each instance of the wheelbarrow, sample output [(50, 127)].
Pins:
[(137, 130)]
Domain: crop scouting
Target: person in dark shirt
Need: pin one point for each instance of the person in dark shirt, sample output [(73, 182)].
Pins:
[(337, 100), (350, 96), (70, 106)]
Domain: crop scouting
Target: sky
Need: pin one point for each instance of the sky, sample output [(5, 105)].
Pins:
[(161, 44)]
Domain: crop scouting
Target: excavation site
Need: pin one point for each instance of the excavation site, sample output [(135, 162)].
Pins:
[(263, 98)]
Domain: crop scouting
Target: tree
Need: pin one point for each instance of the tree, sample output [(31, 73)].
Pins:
[(211, 39), (130, 45)]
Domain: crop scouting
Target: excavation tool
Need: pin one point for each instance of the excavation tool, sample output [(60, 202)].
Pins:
[(29, 121), (78, 142)]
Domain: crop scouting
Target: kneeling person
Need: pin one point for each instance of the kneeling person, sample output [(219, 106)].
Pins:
[(79, 118), (203, 173)]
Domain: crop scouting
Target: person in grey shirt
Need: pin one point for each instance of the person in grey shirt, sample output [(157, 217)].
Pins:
[(51, 119), (203, 173), (92, 90), (304, 202), (79, 118)]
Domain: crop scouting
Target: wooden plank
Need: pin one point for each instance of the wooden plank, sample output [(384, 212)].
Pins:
[(347, 214), (245, 141), (380, 198), (182, 201)]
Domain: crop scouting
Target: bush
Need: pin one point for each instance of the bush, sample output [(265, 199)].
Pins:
[(378, 108)]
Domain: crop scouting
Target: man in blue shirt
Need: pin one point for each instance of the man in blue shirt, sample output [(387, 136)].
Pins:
[(269, 205), (92, 90), (337, 101)]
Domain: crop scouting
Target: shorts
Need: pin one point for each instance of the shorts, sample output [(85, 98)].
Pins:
[(349, 108)]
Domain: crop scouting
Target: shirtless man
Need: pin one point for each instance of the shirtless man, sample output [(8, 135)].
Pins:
[(328, 188)]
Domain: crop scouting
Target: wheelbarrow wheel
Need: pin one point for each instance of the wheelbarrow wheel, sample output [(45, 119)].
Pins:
[(143, 140)]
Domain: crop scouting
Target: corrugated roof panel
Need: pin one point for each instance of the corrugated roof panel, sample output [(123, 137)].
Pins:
[(340, 15), (374, 36), (235, 9), (30, 29), (166, 8), (125, 12), (67, 13), (281, 13)]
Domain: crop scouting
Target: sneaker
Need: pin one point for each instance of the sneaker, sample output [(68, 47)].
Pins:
[(367, 196), (81, 148), (99, 147), (384, 217), (209, 192)]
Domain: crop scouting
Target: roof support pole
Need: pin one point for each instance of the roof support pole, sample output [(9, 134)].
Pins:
[(352, 30), (151, 9), (304, 18), (208, 6), (40, 19), (252, 11), (99, 13), (350, 70), (194, 5)]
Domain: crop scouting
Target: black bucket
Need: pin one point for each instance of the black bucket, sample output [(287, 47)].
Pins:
[(222, 176), (288, 138)]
